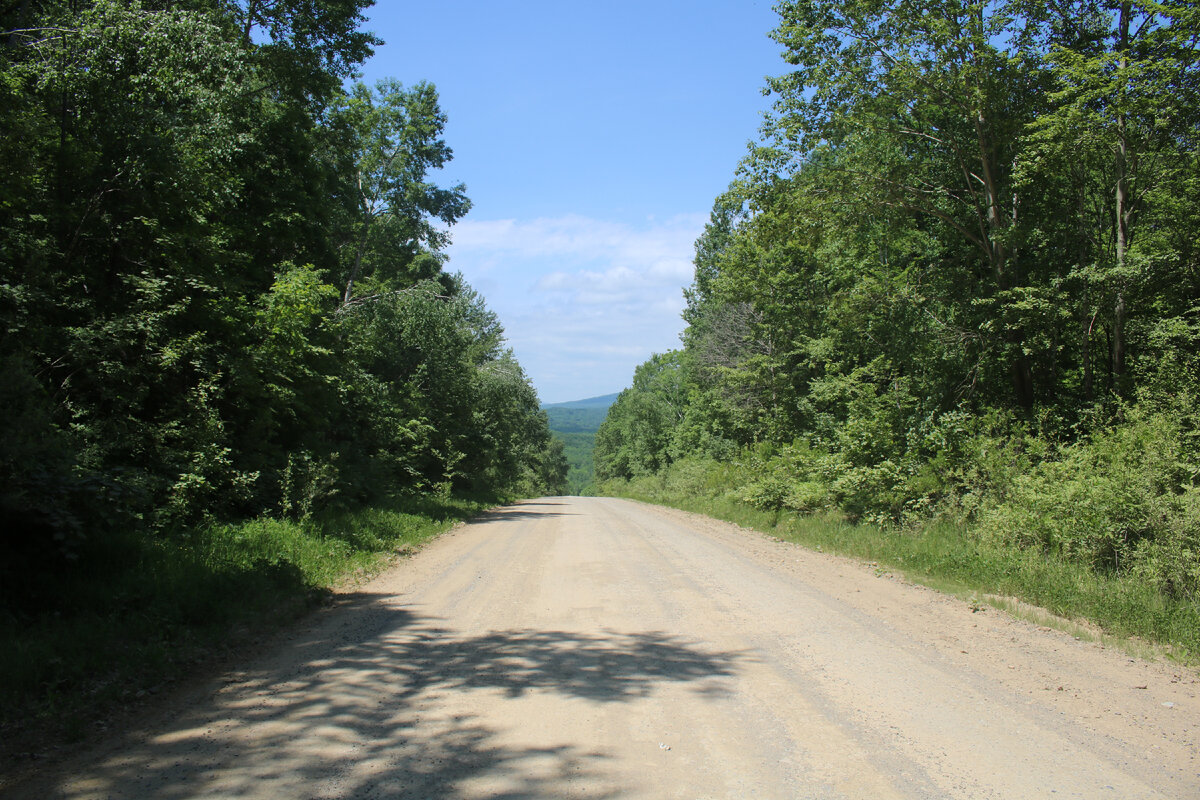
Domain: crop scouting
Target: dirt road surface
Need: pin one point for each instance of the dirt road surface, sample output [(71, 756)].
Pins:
[(597, 648)]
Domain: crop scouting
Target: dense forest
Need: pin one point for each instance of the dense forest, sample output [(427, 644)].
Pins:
[(575, 424), (957, 278), (224, 299)]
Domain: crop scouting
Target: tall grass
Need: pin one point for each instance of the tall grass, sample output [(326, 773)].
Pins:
[(138, 610)]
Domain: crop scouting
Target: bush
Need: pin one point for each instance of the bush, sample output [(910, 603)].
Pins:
[(1126, 500), (1171, 560), (874, 493)]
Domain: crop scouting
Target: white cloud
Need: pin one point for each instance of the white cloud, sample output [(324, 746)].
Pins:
[(574, 234), (584, 301)]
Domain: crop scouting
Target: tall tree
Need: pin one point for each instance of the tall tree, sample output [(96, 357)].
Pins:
[(397, 135), (1127, 86), (922, 104)]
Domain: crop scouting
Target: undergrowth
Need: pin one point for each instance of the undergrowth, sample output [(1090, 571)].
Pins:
[(142, 609)]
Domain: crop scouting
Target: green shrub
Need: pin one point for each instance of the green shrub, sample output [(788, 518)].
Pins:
[(768, 494), (698, 476), (874, 493), (808, 495), (961, 461), (1126, 500), (1170, 561)]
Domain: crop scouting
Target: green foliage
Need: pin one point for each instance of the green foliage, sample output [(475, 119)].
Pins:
[(554, 470), (578, 450), (307, 483), (395, 142), (635, 436), (45, 496), (575, 420)]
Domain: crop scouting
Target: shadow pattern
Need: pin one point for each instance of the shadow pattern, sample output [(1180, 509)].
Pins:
[(524, 511), (364, 715)]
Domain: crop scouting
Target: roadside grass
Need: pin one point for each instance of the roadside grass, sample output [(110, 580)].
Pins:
[(142, 610), (1043, 588)]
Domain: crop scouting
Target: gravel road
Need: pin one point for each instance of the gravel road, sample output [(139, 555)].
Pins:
[(596, 648)]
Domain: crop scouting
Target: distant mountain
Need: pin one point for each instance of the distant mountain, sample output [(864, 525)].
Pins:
[(579, 416), (603, 401)]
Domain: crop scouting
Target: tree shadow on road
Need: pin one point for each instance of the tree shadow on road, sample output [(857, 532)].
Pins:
[(523, 512), (355, 708)]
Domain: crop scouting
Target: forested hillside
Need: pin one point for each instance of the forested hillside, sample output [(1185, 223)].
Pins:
[(224, 299), (956, 280), (575, 424)]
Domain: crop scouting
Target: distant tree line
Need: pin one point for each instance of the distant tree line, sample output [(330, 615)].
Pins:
[(959, 275), (222, 286)]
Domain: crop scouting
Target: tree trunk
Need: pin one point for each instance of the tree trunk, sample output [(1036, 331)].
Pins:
[(1122, 214), (251, 8), (360, 251), (1022, 381), (1089, 379), (1089, 325), (996, 224), (356, 269)]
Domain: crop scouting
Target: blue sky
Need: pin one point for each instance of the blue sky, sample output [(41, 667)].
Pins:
[(593, 139)]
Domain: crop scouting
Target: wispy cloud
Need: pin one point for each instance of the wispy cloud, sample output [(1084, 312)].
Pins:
[(657, 249), (584, 301)]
